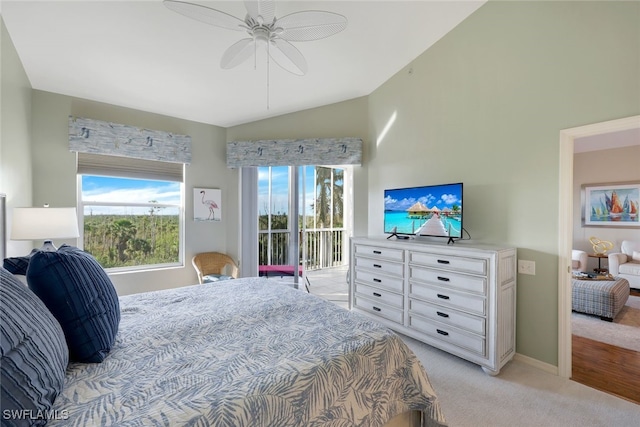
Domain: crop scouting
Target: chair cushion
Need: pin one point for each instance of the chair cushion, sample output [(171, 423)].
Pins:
[(34, 351), (632, 268), (210, 278), (628, 246), (81, 296)]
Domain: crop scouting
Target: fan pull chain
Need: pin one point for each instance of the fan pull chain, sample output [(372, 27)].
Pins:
[(268, 62)]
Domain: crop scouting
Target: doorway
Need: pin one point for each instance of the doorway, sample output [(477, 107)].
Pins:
[(568, 138)]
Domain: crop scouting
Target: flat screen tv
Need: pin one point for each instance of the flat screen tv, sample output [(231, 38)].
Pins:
[(430, 210)]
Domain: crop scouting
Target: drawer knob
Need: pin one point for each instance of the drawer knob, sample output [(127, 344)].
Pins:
[(443, 296), (377, 252), (377, 280), (443, 261), (441, 314), (375, 294), (377, 309), (443, 279), (441, 332), (377, 265)]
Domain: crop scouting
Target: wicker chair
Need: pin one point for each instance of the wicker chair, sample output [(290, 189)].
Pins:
[(214, 267)]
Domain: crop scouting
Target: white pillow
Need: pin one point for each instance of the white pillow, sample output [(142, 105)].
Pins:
[(636, 256)]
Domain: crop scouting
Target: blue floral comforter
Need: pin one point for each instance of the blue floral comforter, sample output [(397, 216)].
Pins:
[(246, 352)]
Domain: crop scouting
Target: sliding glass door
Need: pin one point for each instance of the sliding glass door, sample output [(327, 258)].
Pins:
[(301, 220)]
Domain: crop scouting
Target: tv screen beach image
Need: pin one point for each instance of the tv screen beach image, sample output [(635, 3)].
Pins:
[(427, 211)]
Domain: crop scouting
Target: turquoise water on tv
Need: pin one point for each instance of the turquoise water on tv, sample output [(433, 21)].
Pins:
[(406, 225)]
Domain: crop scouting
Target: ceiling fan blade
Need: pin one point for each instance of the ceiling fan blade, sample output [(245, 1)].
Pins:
[(237, 53), (288, 57), (310, 25), (206, 15), (264, 8)]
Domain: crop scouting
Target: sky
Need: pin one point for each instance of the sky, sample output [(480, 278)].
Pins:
[(124, 190), (280, 189), (440, 196)]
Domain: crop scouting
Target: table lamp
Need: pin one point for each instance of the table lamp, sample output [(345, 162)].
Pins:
[(44, 223)]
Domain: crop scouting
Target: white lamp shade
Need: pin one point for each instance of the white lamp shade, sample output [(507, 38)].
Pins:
[(44, 223)]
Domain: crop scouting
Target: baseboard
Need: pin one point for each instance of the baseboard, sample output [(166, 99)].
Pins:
[(551, 369)]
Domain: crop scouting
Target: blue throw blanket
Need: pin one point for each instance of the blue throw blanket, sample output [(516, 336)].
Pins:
[(246, 352)]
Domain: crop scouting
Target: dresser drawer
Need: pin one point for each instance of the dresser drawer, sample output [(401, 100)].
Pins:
[(449, 298), (383, 296), (449, 316), (449, 279), (382, 266), (382, 310), (469, 265), (378, 252), (449, 334), (392, 283)]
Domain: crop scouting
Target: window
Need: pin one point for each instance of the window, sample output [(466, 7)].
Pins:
[(131, 223)]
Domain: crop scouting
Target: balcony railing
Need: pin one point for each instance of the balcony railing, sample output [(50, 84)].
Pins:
[(324, 248)]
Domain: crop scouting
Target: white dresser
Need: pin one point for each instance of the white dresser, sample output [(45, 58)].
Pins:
[(460, 298)]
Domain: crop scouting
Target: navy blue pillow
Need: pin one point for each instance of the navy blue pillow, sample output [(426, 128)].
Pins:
[(18, 265), (78, 292), (34, 353)]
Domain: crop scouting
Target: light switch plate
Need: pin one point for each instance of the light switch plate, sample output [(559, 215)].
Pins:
[(527, 267)]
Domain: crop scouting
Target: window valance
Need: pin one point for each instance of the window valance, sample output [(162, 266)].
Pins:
[(98, 137), (295, 152)]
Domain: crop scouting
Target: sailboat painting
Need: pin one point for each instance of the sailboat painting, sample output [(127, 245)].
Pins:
[(613, 205)]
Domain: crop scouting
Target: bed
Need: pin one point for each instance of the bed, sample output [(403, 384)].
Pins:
[(249, 352)]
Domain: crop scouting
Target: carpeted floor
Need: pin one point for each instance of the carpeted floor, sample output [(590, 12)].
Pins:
[(520, 396), (623, 332)]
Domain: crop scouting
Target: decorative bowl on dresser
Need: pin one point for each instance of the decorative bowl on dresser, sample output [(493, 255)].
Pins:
[(459, 298)]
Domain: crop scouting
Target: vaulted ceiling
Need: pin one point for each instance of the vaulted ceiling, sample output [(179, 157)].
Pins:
[(141, 55)]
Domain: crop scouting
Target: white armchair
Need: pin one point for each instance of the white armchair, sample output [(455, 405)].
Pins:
[(579, 260), (626, 264)]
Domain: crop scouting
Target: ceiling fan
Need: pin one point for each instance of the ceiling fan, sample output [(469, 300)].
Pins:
[(265, 29)]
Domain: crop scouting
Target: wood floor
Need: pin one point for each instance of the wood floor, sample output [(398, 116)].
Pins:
[(608, 368)]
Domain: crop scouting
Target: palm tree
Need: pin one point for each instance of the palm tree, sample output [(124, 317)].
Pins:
[(338, 197), (329, 188)]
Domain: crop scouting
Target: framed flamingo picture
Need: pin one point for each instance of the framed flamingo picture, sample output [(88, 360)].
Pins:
[(611, 205), (207, 204)]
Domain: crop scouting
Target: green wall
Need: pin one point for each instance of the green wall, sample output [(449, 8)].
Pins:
[(54, 178), (485, 106), (15, 136)]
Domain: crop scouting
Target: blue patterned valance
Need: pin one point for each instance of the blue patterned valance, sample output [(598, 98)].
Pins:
[(98, 137), (295, 152)]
